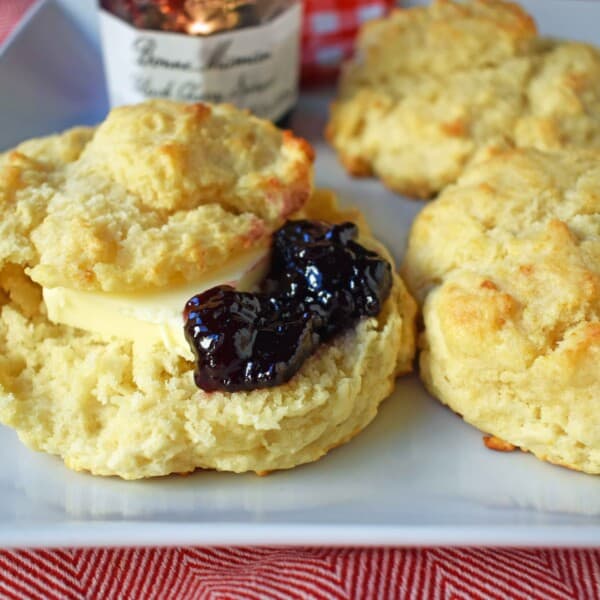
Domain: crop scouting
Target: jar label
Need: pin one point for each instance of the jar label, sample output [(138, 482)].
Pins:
[(254, 67)]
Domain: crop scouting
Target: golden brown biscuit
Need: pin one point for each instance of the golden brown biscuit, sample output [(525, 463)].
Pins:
[(432, 88), (506, 265), (116, 407)]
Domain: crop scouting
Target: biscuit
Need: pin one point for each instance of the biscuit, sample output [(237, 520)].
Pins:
[(115, 407), (433, 88), (159, 194), (506, 266)]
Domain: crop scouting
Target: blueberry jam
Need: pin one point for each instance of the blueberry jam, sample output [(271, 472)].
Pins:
[(244, 341), (321, 281)]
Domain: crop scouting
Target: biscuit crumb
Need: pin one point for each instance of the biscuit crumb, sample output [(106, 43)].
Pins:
[(493, 443)]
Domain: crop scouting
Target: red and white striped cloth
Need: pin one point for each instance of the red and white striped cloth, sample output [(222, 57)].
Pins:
[(289, 573), (10, 13)]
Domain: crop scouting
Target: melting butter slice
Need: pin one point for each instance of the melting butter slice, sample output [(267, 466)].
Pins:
[(149, 317)]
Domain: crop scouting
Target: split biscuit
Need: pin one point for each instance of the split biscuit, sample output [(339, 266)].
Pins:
[(161, 193)]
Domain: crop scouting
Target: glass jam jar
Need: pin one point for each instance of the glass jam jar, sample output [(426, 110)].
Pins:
[(246, 52)]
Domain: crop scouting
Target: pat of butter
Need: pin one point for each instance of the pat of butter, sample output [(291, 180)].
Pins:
[(149, 317)]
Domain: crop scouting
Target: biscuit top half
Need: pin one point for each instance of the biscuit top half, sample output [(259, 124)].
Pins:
[(158, 194)]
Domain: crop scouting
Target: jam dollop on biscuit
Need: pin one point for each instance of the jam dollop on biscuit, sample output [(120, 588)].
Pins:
[(321, 281)]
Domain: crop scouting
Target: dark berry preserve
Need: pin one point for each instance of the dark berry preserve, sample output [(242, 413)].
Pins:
[(320, 283)]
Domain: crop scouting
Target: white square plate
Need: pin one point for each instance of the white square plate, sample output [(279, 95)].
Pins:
[(418, 475)]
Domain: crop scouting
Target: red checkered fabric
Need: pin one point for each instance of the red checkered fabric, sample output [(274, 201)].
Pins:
[(329, 30)]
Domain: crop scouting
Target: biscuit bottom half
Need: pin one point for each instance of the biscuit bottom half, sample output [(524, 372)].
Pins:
[(113, 408)]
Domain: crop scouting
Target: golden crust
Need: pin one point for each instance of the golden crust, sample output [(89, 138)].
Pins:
[(160, 193), (506, 265), (433, 88), (113, 408)]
